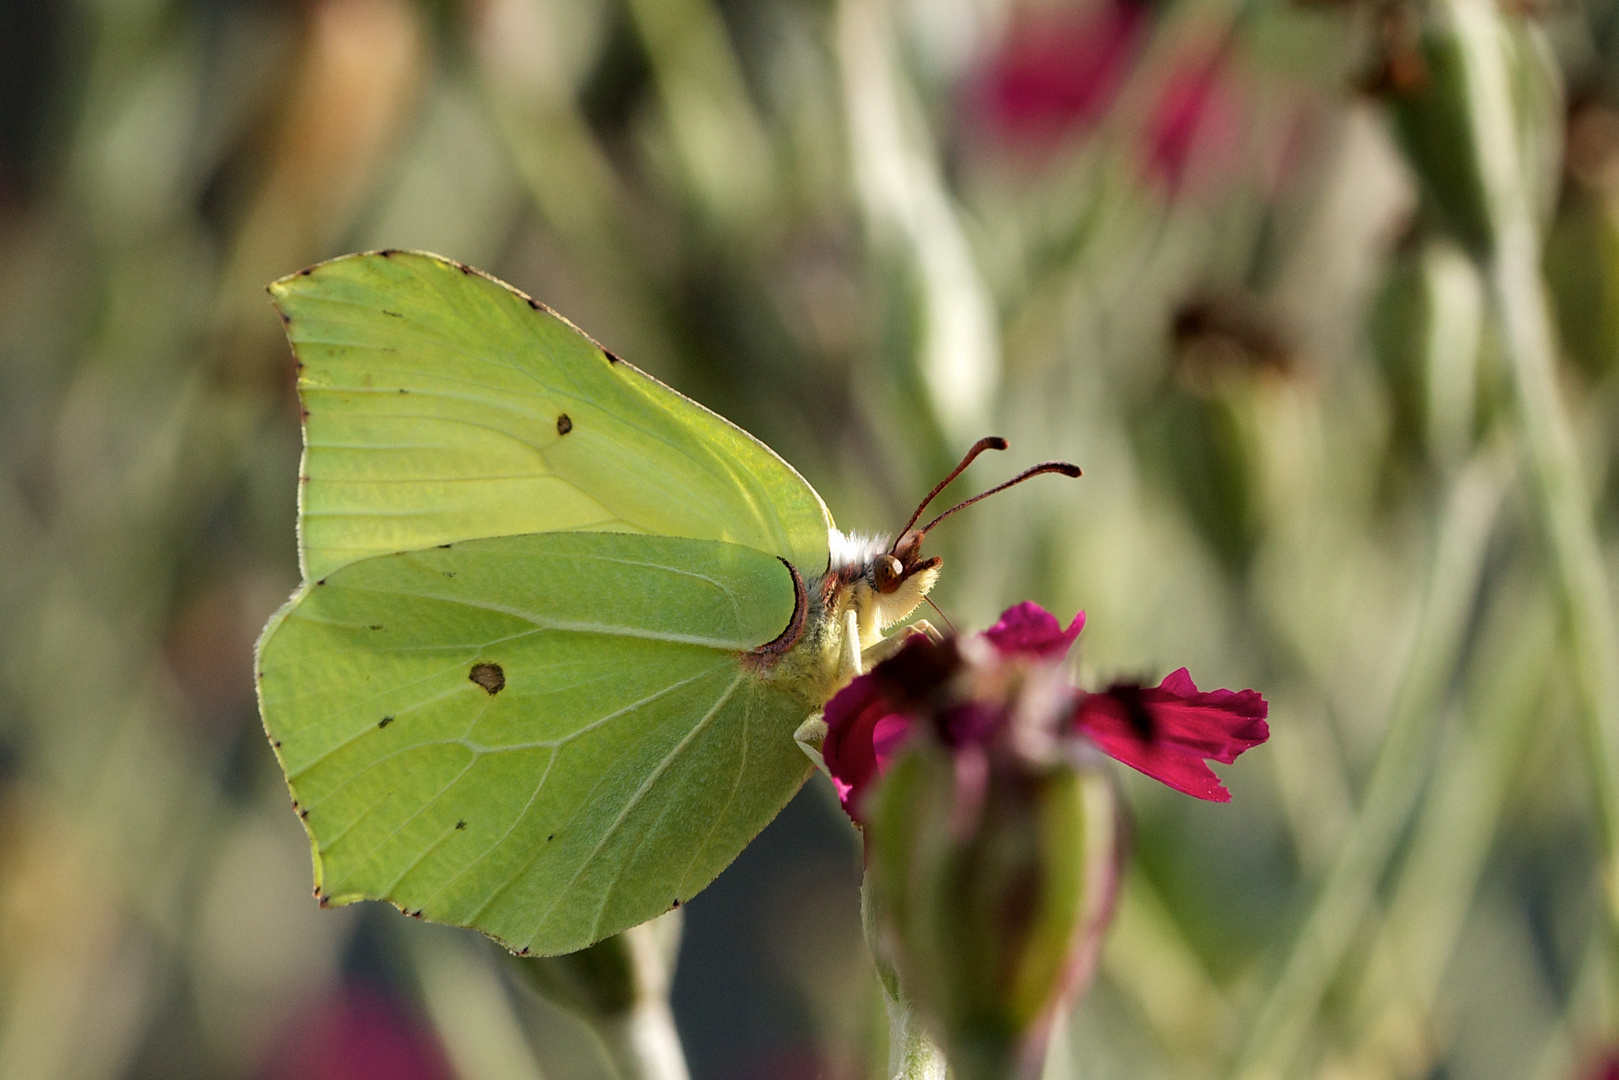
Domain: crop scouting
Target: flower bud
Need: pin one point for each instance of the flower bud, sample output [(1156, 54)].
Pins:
[(1446, 63), (1427, 333), (1582, 247), (973, 765), (992, 876)]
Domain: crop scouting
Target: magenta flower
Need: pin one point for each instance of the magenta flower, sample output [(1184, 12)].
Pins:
[(863, 729), (1168, 731), (1027, 629), (1059, 70), (356, 1034), (1603, 1065), (1195, 118)]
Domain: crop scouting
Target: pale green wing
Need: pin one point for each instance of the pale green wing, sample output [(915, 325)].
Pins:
[(443, 405), (549, 738)]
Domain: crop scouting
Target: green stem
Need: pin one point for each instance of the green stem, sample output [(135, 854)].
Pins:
[(619, 988), (1565, 514), (1346, 895), (643, 1044), (1513, 268), (1398, 1002), (912, 1055)]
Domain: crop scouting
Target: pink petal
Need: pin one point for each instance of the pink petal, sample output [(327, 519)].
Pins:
[(863, 732), (867, 720), (1027, 629), (1060, 71), (886, 737), (1167, 731)]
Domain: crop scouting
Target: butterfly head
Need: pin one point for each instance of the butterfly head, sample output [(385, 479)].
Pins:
[(889, 582)]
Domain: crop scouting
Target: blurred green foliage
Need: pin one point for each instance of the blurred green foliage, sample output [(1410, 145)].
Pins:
[(1149, 238)]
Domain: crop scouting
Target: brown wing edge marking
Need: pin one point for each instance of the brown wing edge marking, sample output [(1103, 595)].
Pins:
[(772, 650)]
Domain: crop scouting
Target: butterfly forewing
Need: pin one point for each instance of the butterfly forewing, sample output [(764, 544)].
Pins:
[(442, 405), (549, 737)]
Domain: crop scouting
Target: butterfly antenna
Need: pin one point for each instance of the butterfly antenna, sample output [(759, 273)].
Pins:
[(1044, 467), (988, 442), (942, 615)]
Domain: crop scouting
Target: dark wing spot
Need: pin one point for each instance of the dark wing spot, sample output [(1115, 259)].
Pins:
[(445, 546), (402, 390), (675, 904), (276, 743), (611, 359), (385, 721), (488, 676), (460, 824), (564, 424), (388, 253), (306, 271), (374, 626), (533, 303), (395, 314), (447, 573), (322, 581), (550, 838), (521, 952), (286, 320), (302, 813)]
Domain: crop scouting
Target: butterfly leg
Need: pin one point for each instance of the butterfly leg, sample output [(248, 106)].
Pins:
[(891, 644), (809, 737), (851, 664)]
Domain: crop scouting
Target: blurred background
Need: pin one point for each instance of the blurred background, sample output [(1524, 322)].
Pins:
[(1176, 241)]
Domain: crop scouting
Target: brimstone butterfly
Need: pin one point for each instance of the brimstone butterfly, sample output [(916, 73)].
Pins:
[(558, 623)]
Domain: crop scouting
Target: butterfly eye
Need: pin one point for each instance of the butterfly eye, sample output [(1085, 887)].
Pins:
[(886, 573)]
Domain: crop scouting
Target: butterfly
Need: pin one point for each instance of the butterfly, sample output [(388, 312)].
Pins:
[(558, 623)]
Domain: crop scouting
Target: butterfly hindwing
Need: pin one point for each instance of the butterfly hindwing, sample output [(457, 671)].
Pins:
[(547, 737), (442, 405)]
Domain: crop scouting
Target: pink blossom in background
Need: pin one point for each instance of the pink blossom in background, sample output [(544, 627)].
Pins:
[(1195, 120), (1605, 1067), (1058, 70), (356, 1034)]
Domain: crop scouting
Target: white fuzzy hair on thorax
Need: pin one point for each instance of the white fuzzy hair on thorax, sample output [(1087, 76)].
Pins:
[(854, 549)]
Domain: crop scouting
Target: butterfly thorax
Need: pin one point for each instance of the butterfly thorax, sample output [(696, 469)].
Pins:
[(869, 585)]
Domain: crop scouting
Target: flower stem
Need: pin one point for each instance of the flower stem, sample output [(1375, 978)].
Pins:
[(1513, 269), (912, 1055), (1347, 892), (1566, 518), (643, 1044), (619, 989)]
